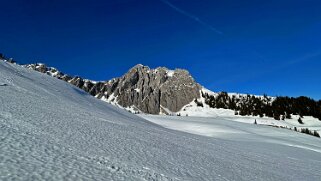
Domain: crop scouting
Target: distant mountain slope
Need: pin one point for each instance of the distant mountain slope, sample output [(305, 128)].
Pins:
[(153, 91), (51, 130), (164, 91)]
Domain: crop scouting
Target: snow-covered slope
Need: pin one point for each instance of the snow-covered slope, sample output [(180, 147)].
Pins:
[(229, 128), (51, 130), (193, 110)]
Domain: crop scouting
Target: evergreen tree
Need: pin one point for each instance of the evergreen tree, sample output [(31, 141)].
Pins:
[(276, 116), (300, 120), (288, 116)]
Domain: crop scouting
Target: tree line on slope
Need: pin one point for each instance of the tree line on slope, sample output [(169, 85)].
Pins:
[(279, 108)]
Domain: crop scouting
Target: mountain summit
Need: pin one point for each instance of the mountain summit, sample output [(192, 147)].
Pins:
[(155, 90), (142, 89)]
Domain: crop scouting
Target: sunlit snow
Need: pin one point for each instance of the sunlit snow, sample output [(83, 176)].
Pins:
[(51, 130)]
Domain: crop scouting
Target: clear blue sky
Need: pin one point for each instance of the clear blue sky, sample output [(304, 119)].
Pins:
[(258, 47)]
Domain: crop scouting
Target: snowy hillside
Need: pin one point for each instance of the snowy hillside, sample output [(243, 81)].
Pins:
[(51, 130), (192, 109), (229, 128)]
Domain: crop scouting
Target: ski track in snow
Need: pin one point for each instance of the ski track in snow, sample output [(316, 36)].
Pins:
[(50, 130)]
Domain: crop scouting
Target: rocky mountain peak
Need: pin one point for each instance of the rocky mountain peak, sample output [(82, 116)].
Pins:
[(153, 91), (156, 90)]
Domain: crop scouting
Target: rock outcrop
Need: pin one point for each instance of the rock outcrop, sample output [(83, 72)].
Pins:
[(156, 90), (148, 90)]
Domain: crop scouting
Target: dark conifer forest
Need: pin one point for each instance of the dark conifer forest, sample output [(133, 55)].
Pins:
[(279, 108)]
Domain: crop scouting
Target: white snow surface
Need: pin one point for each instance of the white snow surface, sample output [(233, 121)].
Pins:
[(51, 130), (170, 73), (228, 128)]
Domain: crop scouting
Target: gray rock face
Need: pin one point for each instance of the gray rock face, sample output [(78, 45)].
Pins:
[(148, 90), (151, 90)]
